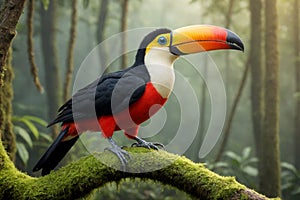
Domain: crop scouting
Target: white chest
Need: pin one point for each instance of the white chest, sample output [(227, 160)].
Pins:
[(159, 63)]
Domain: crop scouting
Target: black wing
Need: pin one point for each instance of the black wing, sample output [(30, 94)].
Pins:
[(124, 87)]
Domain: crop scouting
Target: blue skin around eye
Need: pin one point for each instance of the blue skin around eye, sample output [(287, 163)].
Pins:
[(162, 40)]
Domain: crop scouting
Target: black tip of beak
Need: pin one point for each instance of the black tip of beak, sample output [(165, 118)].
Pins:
[(234, 41)]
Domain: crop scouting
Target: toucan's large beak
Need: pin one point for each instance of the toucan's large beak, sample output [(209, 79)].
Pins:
[(199, 38)]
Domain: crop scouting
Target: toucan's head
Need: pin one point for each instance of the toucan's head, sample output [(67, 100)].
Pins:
[(187, 40)]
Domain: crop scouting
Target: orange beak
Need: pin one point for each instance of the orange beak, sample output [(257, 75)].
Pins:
[(199, 38)]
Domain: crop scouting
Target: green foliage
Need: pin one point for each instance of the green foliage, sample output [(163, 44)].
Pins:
[(290, 181), (25, 127), (139, 189), (45, 4), (242, 166), (29, 121), (22, 152), (297, 95), (19, 131)]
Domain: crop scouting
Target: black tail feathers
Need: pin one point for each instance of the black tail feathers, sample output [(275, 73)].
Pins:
[(55, 153)]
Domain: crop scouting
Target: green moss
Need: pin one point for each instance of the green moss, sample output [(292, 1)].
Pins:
[(79, 178), (6, 95)]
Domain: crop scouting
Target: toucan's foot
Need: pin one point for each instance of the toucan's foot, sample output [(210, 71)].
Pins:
[(148, 145), (119, 152)]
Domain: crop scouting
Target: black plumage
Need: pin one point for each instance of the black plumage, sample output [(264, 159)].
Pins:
[(126, 86), (55, 153)]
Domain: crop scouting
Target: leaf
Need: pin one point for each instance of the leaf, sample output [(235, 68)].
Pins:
[(297, 95), (286, 186), (289, 167), (296, 191), (250, 161), (251, 171), (221, 165), (46, 137), (233, 156), (31, 127), (45, 4), (35, 119), (16, 118), (246, 153), (253, 160), (286, 174), (22, 152), (23, 134)]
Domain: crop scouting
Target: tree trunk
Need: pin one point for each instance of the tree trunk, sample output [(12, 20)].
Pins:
[(52, 76), (100, 31), (10, 13), (6, 95), (256, 76), (30, 44), (228, 20), (270, 159), (296, 42), (71, 48), (123, 31)]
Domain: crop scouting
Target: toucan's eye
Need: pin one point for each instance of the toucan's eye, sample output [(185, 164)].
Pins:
[(162, 40)]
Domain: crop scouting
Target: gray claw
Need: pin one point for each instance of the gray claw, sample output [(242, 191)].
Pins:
[(148, 145), (157, 144), (120, 153)]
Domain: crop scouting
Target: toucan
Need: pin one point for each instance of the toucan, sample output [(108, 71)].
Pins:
[(124, 99)]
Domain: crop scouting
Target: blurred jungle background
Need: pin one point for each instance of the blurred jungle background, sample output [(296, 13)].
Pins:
[(260, 143)]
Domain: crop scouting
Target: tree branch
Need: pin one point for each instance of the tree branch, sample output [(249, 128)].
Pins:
[(9, 16), (81, 177)]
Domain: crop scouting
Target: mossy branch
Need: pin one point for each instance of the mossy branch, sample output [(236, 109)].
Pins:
[(81, 177)]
